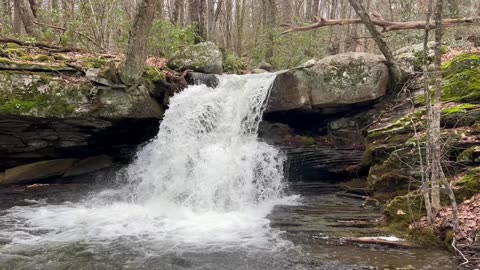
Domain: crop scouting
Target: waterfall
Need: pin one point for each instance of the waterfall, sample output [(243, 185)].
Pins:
[(207, 156), (206, 182)]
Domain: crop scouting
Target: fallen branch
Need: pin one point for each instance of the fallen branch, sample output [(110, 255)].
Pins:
[(38, 44), (374, 241), (378, 20)]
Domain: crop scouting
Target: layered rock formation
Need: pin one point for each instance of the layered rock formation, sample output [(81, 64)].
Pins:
[(58, 113)]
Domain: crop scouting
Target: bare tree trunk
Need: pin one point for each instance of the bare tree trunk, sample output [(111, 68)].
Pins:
[(308, 10), (437, 156), (211, 20), (382, 45), (315, 7), (55, 4), (195, 15), (269, 21), (436, 143), (6, 11), (177, 13), (35, 5), (17, 21), (240, 15), (25, 12), (428, 106), (137, 49)]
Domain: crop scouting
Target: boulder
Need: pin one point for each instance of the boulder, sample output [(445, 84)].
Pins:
[(290, 90), (37, 171), (202, 57), (333, 82)]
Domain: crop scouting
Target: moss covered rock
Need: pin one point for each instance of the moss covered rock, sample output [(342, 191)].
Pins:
[(461, 81), (47, 95), (201, 57), (333, 82), (402, 210), (468, 185)]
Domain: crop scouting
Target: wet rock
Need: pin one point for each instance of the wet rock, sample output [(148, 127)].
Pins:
[(37, 171), (290, 90), (274, 133), (196, 78), (89, 165), (202, 57)]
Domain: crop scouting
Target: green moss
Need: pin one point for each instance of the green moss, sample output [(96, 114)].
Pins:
[(43, 58), (6, 61), (44, 97), (15, 52), (307, 140), (467, 155), (93, 62), (459, 109), (450, 235), (469, 185), (402, 210), (462, 87), (401, 125), (12, 45), (461, 63), (17, 106), (154, 74), (26, 58)]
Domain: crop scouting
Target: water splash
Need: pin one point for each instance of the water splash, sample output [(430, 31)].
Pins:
[(207, 156)]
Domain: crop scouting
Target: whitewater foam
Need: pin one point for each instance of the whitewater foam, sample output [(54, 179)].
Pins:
[(205, 182)]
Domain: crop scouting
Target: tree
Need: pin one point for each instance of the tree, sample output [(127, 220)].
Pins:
[(382, 45), (177, 16), (137, 49), (269, 20), (28, 19), (196, 16)]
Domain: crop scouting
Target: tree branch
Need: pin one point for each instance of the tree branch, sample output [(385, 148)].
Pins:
[(379, 21), (76, 32)]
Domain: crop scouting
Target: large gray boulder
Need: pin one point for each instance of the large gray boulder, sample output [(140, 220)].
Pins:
[(202, 57), (333, 82)]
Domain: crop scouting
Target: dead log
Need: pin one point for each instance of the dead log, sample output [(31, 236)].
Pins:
[(379, 21)]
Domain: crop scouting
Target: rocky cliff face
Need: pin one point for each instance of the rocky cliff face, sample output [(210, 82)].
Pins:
[(72, 107)]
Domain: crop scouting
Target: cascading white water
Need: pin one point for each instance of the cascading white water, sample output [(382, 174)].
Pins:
[(205, 183), (206, 156)]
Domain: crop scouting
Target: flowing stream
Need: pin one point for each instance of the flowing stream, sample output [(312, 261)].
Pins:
[(206, 193)]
